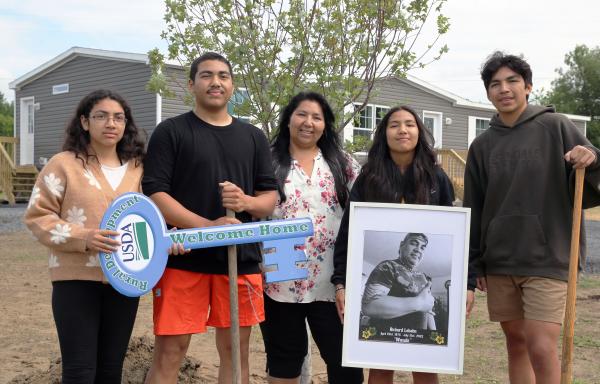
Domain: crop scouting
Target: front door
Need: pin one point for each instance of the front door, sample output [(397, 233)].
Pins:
[(26, 128)]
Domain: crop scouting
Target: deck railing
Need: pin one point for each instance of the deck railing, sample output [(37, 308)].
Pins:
[(7, 167), (454, 165)]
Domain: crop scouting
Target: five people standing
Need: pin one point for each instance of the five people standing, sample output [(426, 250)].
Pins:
[(205, 161)]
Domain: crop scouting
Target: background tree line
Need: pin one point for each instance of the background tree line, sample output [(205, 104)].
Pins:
[(577, 88), (6, 116)]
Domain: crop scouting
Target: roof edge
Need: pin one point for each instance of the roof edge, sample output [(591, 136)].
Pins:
[(70, 54), (462, 102)]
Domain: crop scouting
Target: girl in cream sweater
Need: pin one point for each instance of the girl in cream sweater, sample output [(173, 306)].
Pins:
[(101, 159)]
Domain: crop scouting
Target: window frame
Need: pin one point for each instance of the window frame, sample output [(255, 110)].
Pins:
[(373, 118), (472, 128)]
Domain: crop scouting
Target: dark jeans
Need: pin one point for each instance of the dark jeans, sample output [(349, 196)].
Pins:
[(94, 323), (286, 339)]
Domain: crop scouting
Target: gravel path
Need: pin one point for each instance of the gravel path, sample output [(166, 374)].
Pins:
[(10, 221), (10, 218)]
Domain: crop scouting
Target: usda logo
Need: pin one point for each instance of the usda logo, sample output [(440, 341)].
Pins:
[(137, 243)]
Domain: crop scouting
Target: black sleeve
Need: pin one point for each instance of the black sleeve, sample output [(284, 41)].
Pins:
[(447, 199), (446, 188), (474, 198), (159, 161), (264, 176), (340, 252)]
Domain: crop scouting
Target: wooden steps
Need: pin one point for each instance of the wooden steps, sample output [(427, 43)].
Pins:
[(16, 182), (24, 178)]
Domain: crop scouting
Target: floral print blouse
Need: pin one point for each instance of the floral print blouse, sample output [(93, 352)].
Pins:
[(312, 196)]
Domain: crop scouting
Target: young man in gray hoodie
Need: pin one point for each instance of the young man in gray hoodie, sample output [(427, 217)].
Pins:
[(519, 184)]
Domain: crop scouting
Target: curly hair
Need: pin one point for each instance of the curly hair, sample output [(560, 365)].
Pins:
[(77, 140)]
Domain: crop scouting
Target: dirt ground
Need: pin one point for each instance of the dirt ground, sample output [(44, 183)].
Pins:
[(30, 352)]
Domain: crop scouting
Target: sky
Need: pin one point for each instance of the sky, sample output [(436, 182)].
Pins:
[(35, 31)]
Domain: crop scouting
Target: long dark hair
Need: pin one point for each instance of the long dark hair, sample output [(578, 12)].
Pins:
[(329, 144), (77, 139), (383, 180)]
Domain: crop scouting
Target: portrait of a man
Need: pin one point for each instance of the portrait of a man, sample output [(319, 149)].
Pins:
[(406, 282)]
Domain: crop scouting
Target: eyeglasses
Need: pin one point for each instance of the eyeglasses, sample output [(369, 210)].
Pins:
[(118, 118)]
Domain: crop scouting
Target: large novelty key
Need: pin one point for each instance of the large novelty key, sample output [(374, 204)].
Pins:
[(139, 262)]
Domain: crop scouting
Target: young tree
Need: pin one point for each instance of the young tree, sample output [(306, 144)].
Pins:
[(340, 48), (6, 116), (577, 88)]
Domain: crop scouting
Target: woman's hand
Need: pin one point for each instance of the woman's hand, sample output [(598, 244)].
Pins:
[(340, 300), (177, 248), (98, 240)]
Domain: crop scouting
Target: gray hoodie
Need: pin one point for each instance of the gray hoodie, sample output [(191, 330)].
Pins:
[(519, 189)]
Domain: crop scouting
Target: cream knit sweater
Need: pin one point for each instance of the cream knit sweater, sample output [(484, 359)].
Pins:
[(67, 203)]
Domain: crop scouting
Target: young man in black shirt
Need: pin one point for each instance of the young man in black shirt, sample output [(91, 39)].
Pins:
[(199, 164)]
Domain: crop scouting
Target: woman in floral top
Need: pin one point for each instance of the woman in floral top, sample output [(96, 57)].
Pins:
[(314, 176), (101, 160)]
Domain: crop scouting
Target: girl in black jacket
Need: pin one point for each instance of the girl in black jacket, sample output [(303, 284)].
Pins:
[(401, 168)]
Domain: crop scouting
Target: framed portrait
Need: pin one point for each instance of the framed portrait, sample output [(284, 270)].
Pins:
[(406, 283)]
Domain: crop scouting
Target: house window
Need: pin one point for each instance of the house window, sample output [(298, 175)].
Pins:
[(238, 98), (433, 122), (368, 119), (30, 114), (477, 125), (481, 125), (60, 88)]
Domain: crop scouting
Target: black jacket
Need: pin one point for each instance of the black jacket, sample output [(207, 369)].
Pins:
[(442, 194)]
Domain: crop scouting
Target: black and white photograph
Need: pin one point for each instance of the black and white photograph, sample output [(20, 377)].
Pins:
[(405, 287)]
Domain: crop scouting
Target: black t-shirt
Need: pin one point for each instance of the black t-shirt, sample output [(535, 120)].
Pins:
[(188, 158)]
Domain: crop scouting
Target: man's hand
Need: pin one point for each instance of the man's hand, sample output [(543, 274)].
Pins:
[(482, 284), (470, 302), (580, 156), (425, 299), (340, 301), (234, 197)]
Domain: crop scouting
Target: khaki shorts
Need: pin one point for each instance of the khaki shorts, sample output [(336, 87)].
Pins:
[(526, 297)]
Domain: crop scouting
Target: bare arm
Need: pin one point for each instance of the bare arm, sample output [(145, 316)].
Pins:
[(177, 215), (388, 307), (430, 321), (260, 205)]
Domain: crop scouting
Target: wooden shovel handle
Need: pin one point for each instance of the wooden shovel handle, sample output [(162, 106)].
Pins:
[(566, 369), (234, 310)]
